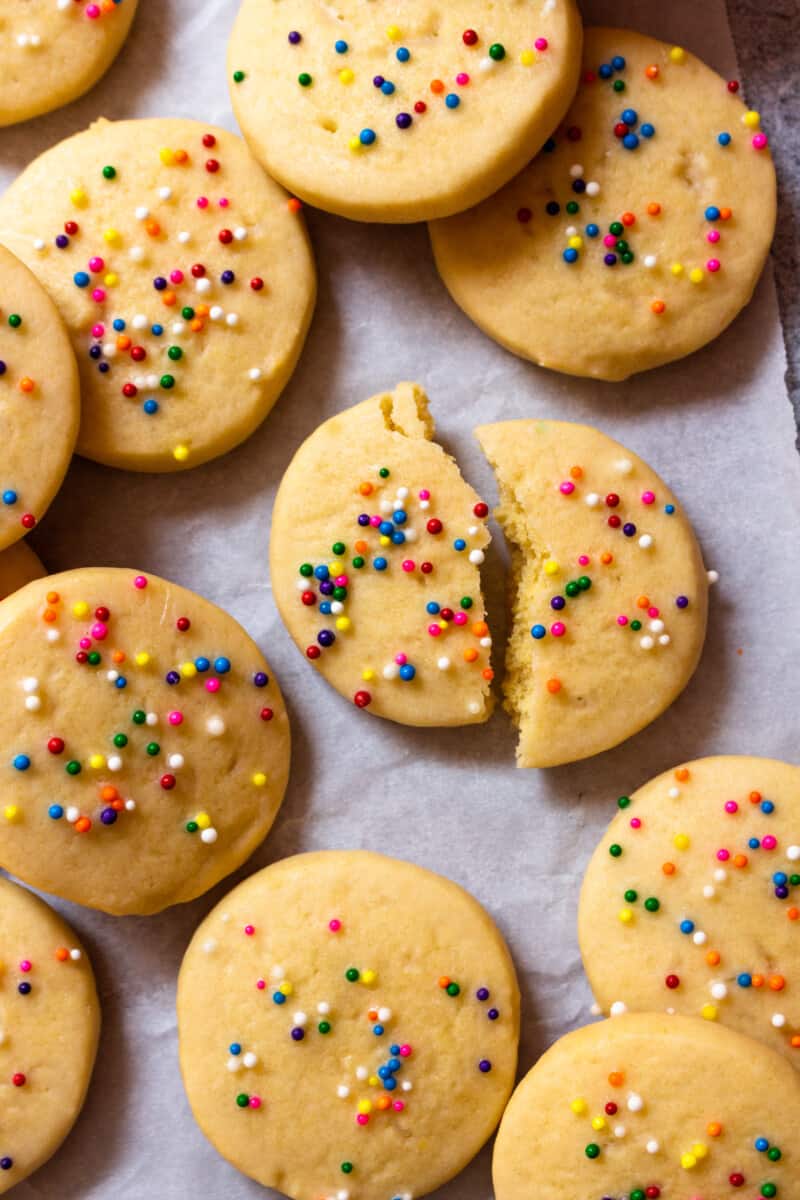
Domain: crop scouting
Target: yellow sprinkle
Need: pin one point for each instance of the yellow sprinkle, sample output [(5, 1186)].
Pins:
[(111, 280), (442, 625), (578, 1107), (677, 268), (527, 58), (385, 541), (709, 1012), (203, 820), (180, 453), (367, 674), (598, 1123), (575, 243), (336, 568), (365, 1106), (677, 54), (111, 236), (259, 779), (551, 567), (393, 33), (188, 670), (688, 1161), (80, 609), (142, 658), (368, 977), (78, 197), (681, 841), (97, 761), (11, 813), (626, 916), (699, 1150), (752, 119), (355, 144), (285, 988), (343, 623), (373, 1081), (167, 157), (696, 275), (346, 76)]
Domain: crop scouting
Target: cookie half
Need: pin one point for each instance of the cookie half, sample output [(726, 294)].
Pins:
[(690, 902), (375, 556), (185, 278), (348, 1027), (650, 1107), (144, 746), (49, 1026), (18, 565), (52, 51), (39, 400), (637, 235), (609, 593), (386, 113)]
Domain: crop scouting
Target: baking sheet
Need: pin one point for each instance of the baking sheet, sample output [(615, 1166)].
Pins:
[(717, 426)]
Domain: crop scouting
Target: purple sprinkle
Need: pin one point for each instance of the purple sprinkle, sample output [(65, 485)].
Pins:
[(403, 120), (298, 1034), (682, 601), (172, 677), (159, 283), (378, 81), (363, 519), (2, 367), (104, 367), (493, 1014), (227, 276), (482, 994), (62, 241), (260, 679), (108, 816), (558, 602), (610, 260), (484, 1066), (326, 587), (629, 530), (295, 38)]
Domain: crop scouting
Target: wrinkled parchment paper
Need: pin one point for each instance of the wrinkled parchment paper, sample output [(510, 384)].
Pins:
[(717, 426)]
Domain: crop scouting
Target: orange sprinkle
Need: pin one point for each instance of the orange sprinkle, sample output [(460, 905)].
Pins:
[(196, 325), (740, 860), (181, 156), (53, 597), (606, 558), (480, 629), (726, 214), (653, 208), (658, 307), (616, 1078), (488, 674), (576, 472), (26, 384), (643, 602), (107, 6), (373, 1014), (294, 205), (628, 218), (669, 868), (444, 981), (470, 654), (758, 981), (168, 298), (777, 983), (361, 547), (153, 228), (713, 958), (755, 797), (118, 804), (554, 686), (202, 310), (714, 1129), (62, 954), (118, 656), (793, 914), (366, 489), (795, 1042), (682, 774), (123, 342), (652, 72), (437, 87), (83, 825), (382, 1103), (49, 615), (108, 793)]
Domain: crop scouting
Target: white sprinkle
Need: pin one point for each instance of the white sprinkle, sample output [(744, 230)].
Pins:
[(384, 1014), (576, 171), (39, 243), (152, 381), (699, 938), (411, 535), (178, 327), (337, 607), (184, 237), (443, 664), (592, 188), (112, 676), (646, 541), (635, 1102), (778, 1020), (719, 991), (165, 193), (209, 836), (624, 466), (390, 671), (53, 635), (215, 726), (650, 261), (30, 684), (255, 374), (323, 1008), (486, 64), (793, 853), (151, 718), (618, 1008), (664, 640), (203, 285), (136, 253), (234, 1063), (232, 319), (485, 642), (476, 557), (277, 972), (362, 1073), (620, 1131), (130, 805), (72, 814), (673, 793), (595, 1009), (647, 643), (240, 233), (407, 1086), (474, 707), (75, 954), (142, 213), (713, 577), (656, 626), (343, 1091), (33, 703), (653, 1146), (720, 875), (250, 1059), (139, 321), (343, 1194), (216, 312), (210, 946), (109, 350), (301, 1019), (593, 500), (709, 891), (473, 529), (115, 763), (176, 761), (386, 506)]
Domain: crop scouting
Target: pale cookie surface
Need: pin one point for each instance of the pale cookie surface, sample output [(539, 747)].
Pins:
[(638, 236), (609, 592), (648, 1106), (401, 110), (18, 565), (348, 1027), (39, 400), (185, 278), (375, 553), (49, 1025), (690, 902), (144, 747), (52, 51)]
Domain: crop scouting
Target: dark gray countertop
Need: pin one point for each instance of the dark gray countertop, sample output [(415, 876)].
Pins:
[(767, 40)]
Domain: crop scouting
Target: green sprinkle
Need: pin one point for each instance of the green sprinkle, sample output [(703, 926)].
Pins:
[(153, 749), (466, 601), (615, 850), (243, 1100), (497, 52), (624, 802), (384, 472), (120, 740), (572, 588), (187, 313), (192, 826), (14, 320), (453, 989), (304, 79), (631, 896), (94, 657), (324, 1027), (347, 1168), (73, 767), (239, 76), (573, 207), (773, 1154), (338, 549), (619, 85), (637, 1194), (593, 1150), (627, 257), (306, 570), (358, 562), (109, 172), (636, 626), (584, 583), (139, 717), (174, 353), (167, 382), (652, 904), (769, 1190), (352, 974), (617, 228)]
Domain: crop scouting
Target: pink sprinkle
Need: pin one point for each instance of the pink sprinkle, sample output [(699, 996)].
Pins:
[(648, 497), (341, 581), (25, 965), (713, 265), (567, 488), (460, 618), (224, 202), (176, 276), (424, 494), (398, 1105), (622, 621), (335, 925), (653, 612), (96, 264), (401, 659), (176, 718), (760, 141), (85, 643), (408, 564), (98, 331), (769, 842), (362, 1119), (609, 240), (99, 631), (636, 822), (435, 630), (405, 1051), (723, 855), (261, 984), (462, 78), (375, 521), (255, 1102), (558, 629), (731, 806), (541, 43), (202, 202), (98, 295), (93, 11), (212, 685), (140, 581), (584, 560), (249, 930), (713, 236)]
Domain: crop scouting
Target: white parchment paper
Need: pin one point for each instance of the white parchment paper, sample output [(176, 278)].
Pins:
[(718, 426)]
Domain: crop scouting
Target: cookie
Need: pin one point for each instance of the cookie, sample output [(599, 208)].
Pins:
[(185, 278), (648, 1106), (39, 400), (340, 1015), (144, 748), (375, 553), (52, 51), (609, 593), (18, 566), (639, 233), (49, 1026), (382, 112), (690, 903)]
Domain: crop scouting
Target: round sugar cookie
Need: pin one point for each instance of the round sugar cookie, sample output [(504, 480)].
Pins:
[(639, 233), (185, 278), (144, 746), (52, 51), (18, 565), (609, 592), (400, 112), (375, 557), (39, 400), (340, 1015), (49, 1026), (648, 1106), (690, 903)]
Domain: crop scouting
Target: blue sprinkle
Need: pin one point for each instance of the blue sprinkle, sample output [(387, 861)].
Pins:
[(400, 517), (367, 137), (605, 71), (744, 980), (630, 141), (22, 762), (433, 608), (119, 324), (407, 672), (321, 572), (325, 608), (459, 544), (452, 101), (618, 62), (767, 807), (81, 279), (724, 139), (55, 812), (341, 47), (222, 665), (403, 54), (378, 1030), (712, 213), (538, 632), (278, 998), (385, 528), (687, 927), (387, 87), (202, 664), (570, 255), (780, 878), (394, 1063), (647, 130), (630, 117), (592, 230), (669, 509), (235, 1048), (150, 407), (9, 497), (398, 537), (761, 1144), (379, 564), (394, 1050), (156, 330), (390, 1084), (754, 843), (121, 682)]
